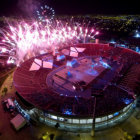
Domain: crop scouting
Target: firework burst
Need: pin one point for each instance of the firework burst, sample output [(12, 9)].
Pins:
[(45, 12), (29, 39)]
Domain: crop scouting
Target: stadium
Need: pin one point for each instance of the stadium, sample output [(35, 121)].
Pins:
[(80, 87)]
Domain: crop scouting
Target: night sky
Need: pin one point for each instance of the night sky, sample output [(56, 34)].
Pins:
[(70, 7)]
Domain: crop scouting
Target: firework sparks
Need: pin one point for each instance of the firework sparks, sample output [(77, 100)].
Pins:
[(31, 39), (45, 12)]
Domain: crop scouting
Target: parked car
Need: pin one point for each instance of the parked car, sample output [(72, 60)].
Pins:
[(4, 105), (9, 105)]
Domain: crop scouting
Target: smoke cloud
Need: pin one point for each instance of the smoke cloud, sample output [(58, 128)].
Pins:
[(28, 7)]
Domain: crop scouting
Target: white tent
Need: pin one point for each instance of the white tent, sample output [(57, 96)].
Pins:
[(18, 122), (75, 49), (48, 65), (65, 52), (38, 61), (73, 54), (34, 66)]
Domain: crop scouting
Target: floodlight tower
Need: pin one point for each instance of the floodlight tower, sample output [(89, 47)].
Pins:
[(95, 95), (93, 122)]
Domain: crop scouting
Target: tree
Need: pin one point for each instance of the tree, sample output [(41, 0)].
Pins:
[(4, 90), (51, 136)]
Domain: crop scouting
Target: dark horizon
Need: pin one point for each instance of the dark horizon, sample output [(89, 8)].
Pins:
[(70, 7)]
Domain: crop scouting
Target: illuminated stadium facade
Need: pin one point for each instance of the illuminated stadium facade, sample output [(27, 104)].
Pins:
[(79, 83)]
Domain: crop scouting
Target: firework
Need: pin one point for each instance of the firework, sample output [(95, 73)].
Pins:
[(45, 14), (34, 38)]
